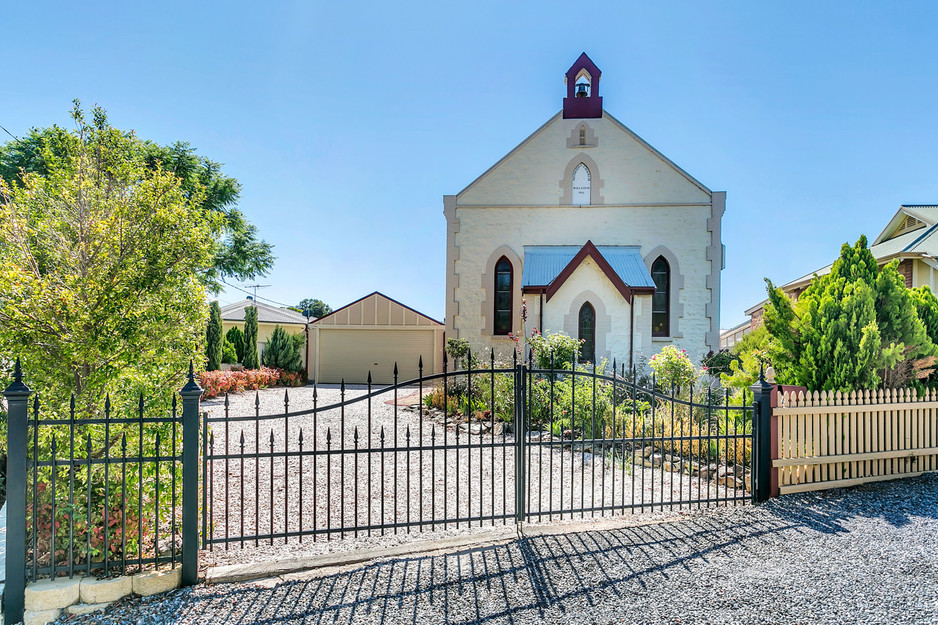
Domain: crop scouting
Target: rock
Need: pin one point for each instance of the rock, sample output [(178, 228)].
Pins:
[(165, 545), (49, 594), (155, 582), (86, 608), (40, 617), (105, 590), (499, 428), (475, 428), (649, 450)]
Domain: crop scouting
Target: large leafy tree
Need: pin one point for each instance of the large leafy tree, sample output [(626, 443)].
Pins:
[(315, 307), (101, 260), (854, 328), (237, 253)]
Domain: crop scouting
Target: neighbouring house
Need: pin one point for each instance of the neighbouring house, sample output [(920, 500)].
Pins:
[(604, 238), (911, 236), (373, 334), (268, 318), (732, 336)]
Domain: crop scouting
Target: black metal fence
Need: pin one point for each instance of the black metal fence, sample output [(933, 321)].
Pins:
[(485, 445), (98, 490), (117, 489)]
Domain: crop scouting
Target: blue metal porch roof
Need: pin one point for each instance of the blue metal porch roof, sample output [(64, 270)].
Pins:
[(543, 263)]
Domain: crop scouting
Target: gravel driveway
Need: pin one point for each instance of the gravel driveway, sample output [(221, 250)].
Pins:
[(864, 555), (253, 497)]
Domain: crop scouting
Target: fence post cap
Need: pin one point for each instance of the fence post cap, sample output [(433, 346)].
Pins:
[(17, 387), (761, 386), (192, 387)]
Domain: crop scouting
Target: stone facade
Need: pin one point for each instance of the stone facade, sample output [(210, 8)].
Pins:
[(637, 197)]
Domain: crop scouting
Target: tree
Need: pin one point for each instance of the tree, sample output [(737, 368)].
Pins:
[(751, 353), (237, 252), (228, 354), (249, 358), (213, 338), (281, 351), (854, 328), (316, 307), (100, 265), (235, 337)]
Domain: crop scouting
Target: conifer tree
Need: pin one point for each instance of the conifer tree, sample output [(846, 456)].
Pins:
[(281, 351), (235, 337), (249, 360), (854, 328), (213, 338)]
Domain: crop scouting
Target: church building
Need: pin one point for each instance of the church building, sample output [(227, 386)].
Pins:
[(601, 236)]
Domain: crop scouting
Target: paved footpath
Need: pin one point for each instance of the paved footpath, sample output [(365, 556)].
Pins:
[(864, 555)]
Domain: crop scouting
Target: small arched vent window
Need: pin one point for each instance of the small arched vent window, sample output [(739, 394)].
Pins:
[(503, 303), (582, 134), (661, 300), (581, 185), (587, 333)]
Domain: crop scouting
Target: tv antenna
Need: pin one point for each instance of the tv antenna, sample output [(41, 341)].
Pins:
[(255, 287)]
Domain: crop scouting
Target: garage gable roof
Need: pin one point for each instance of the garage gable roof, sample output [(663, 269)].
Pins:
[(376, 309)]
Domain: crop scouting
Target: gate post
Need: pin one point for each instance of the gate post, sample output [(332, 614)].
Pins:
[(191, 393), (17, 395), (762, 437), (520, 439)]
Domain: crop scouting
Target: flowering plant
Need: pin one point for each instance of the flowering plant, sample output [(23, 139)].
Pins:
[(672, 367)]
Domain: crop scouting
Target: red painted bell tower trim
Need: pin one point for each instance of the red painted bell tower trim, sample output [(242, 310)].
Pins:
[(587, 103)]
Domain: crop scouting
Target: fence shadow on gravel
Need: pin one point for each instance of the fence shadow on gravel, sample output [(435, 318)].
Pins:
[(827, 511), (530, 578)]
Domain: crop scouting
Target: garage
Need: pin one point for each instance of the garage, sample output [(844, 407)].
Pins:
[(372, 334)]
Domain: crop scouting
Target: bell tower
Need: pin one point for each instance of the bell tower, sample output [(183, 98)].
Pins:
[(583, 100)]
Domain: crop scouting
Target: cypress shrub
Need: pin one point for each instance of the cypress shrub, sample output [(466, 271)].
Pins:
[(213, 338), (249, 360)]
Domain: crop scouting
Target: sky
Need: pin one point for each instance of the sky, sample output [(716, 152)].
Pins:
[(346, 122)]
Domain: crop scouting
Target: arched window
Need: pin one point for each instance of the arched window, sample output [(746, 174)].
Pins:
[(587, 333), (503, 304), (582, 134), (661, 300), (581, 185)]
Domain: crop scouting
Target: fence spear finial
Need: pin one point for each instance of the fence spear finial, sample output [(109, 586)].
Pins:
[(191, 371), (762, 371), (17, 372)]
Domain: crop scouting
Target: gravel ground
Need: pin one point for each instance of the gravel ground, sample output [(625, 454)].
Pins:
[(863, 555), (476, 483)]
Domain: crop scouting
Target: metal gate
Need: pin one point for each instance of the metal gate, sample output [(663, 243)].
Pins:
[(488, 444)]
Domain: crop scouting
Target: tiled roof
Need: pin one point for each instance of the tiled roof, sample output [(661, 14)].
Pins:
[(265, 313), (543, 263)]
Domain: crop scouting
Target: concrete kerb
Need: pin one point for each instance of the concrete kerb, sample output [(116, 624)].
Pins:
[(268, 573)]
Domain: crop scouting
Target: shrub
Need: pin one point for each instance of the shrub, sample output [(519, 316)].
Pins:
[(673, 368), (236, 337), (213, 338), (563, 348), (228, 354), (215, 383), (282, 352), (249, 358)]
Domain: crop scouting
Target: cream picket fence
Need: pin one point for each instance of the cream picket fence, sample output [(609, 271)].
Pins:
[(833, 439)]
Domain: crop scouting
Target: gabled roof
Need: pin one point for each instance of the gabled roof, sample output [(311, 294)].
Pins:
[(265, 313), (380, 295), (909, 217), (917, 243), (546, 267)]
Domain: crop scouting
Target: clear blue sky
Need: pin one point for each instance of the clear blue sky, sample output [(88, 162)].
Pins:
[(347, 122)]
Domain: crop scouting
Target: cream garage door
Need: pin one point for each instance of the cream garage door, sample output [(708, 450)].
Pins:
[(351, 354)]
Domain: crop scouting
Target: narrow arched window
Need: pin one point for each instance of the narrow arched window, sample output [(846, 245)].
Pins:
[(587, 333), (503, 304), (581, 185), (661, 300), (582, 134)]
